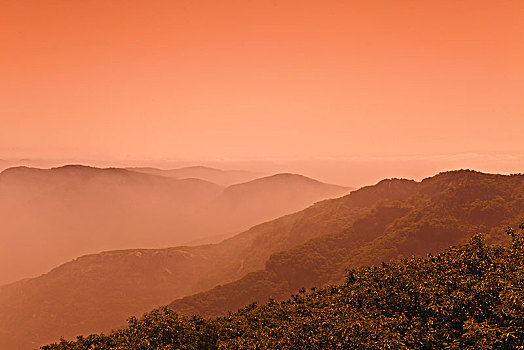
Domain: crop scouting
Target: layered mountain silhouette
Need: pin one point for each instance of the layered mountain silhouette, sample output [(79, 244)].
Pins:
[(313, 247), (218, 176), (408, 219), (53, 215)]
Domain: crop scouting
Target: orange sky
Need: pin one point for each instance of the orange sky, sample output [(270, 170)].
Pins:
[(258, 79)]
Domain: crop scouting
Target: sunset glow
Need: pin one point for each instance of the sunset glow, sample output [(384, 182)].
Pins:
[(259, 79)]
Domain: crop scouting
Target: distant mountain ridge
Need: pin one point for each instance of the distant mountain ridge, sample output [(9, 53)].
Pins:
[(247, 202), (218, 176), (73, 210), (77, 209)]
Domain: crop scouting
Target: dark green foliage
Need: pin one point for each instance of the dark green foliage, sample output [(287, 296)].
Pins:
[(468, 297)]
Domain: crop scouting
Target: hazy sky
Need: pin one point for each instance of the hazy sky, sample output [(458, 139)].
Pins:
[(260, 79)]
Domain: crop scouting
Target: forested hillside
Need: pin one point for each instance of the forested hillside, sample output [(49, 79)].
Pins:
[(468, 297)]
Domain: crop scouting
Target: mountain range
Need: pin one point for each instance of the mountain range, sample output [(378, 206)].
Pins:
[(313, 247)]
